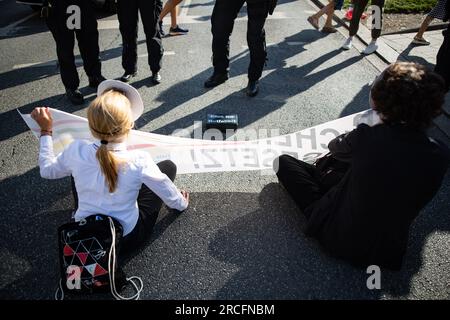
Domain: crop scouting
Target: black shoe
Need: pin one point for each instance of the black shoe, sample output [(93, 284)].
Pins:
[(156, 78), (161, 30), (177, 31), (252, 88), (95, 81), (128, 76), (216, 79), (75, 96)]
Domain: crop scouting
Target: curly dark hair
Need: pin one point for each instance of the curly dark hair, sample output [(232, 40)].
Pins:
[(408, 93)]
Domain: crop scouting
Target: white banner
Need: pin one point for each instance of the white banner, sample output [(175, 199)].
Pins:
[(199, 156)]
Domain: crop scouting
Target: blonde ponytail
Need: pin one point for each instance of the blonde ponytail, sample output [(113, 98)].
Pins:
[(110, 119), (109, 165)]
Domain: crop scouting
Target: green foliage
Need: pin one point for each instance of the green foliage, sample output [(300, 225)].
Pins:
[(406, 6)]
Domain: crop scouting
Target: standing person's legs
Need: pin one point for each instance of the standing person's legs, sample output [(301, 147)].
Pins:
[(87, 38), (222, 22), (65, 42), (149, 206), (256, 38), (300, 179), (127, 13), (150, 11), (358, 10), (377, 18)]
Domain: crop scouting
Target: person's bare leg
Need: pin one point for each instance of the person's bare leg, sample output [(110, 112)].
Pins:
[(168, 7), (330, 13), (425, 24), (173, 17), (314, 19)]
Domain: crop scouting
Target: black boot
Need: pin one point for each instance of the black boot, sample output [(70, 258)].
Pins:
[(95, 81), (127, 76), (252, 88), (75, 96), (216, 79), (156, 78)]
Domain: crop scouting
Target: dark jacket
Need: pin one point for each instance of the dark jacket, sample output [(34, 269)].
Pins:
[(394, 172)]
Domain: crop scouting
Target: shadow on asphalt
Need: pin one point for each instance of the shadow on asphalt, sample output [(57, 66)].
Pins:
[(269, 254)]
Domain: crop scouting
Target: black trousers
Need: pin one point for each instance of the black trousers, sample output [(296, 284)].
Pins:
[(360, 7), (443, 58), (222, 20), (87, 37), (300, 179), (149, 205), (127, 12)]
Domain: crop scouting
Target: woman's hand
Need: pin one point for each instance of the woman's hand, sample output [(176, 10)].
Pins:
[(185, 195), (43, 117)]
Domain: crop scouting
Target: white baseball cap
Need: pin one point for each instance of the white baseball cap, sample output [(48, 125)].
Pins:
[(137, 105)]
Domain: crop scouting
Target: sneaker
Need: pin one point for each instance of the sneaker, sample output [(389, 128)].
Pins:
[(161, 29), (177, 31), (420, 41), (371, 48), (347, 44)]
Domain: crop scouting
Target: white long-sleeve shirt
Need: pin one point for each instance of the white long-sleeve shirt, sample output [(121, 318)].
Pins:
[(79, 160)]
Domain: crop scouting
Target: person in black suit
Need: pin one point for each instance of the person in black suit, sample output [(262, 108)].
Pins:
[(222, 20), (393, 170), (87, 37), (127, 12)]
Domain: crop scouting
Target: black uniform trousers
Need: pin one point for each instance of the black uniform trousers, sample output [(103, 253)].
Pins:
[(222, 20), (443, 58), (87, 37), (127, 12)]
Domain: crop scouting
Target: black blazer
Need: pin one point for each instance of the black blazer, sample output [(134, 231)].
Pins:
[(394, 172)]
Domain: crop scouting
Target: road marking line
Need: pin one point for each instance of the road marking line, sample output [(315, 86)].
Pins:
[(78, 61), (166, 53), (114, 24)]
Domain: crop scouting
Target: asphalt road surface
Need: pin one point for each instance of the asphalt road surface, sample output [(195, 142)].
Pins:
[(242, 237)]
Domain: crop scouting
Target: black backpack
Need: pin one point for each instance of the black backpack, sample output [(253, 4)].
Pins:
[(88, 251)]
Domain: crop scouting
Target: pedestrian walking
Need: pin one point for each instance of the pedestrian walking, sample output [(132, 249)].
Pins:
[(438, 12), (329, 11), (172, 7)]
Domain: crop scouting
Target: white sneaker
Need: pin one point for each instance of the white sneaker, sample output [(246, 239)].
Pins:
[(347, 44), (371, 48)]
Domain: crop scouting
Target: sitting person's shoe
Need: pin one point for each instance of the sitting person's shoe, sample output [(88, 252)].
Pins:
[(420, 41), (128, 76), (156, 78), (177, 31), (252, 88), (161, 30), (216, 79), (95, 81), (371, 48), (75, 96)]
